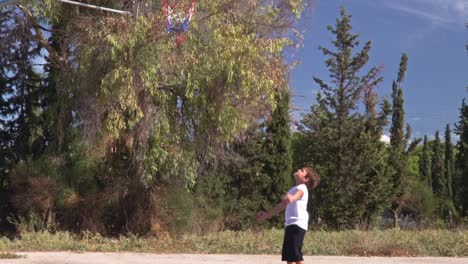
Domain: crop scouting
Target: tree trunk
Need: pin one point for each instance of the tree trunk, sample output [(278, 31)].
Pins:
[(395, 218), (450, 219)]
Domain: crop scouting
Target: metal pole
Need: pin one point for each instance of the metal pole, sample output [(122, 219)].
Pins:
[(12, 2), (97, 7), (8, 2)]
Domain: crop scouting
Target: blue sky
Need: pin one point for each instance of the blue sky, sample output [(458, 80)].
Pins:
[(431, 32)]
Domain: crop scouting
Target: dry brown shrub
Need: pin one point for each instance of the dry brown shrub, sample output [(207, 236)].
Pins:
[(35, 195)]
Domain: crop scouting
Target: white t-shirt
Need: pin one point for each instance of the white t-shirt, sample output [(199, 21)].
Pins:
[(296, 212)]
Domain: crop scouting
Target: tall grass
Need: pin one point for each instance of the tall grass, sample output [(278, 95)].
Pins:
[(388, 243)]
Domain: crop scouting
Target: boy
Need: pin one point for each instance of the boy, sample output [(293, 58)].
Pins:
[(296, 216)]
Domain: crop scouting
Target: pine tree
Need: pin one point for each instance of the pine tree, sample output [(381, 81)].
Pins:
[(6, 138), (344, 142), (448, 162), (437, 172), (21, 109), (6, 152), (425, 164), (21, 112), (461, 181)]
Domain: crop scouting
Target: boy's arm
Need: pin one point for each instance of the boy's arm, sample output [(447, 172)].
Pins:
[(287, 199), (291, 198), (280, 207)]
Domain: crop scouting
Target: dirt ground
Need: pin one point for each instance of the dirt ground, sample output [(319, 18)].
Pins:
[(137, 258)]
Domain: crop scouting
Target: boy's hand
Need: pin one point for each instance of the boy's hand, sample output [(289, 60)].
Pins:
[(262, 216), (287, 198)]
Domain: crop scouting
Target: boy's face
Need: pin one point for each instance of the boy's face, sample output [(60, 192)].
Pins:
[(300, 176)]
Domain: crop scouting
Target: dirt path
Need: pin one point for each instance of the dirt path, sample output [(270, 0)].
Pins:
[(137, 258)]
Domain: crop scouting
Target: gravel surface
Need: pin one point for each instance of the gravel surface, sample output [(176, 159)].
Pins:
[(142, 258)]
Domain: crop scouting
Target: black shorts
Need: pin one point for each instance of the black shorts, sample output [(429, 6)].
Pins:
[(292, 244)]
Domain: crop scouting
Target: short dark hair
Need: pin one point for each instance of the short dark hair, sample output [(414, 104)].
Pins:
[(313, 178)]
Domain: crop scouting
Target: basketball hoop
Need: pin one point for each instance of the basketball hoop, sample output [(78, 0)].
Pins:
[(178, 22)]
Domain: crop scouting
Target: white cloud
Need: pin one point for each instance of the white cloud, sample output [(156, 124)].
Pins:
[(439, 12), (385, 139)]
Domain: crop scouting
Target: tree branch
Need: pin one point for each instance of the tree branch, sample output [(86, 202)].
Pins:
[(53, 54)]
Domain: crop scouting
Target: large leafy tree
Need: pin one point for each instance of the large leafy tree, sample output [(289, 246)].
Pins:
[(132, 112), (345, 142)]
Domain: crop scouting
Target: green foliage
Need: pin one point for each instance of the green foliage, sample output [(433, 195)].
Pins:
[(31, 224), (423, 201), (413, 165), (447, 209), (176, 207)]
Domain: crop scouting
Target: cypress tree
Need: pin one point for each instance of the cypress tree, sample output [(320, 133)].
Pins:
[(398, 138), (448, 162), (425, 164), (277, 149), (437, 172)]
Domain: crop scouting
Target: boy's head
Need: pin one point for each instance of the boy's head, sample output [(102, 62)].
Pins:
[(308, 176)]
